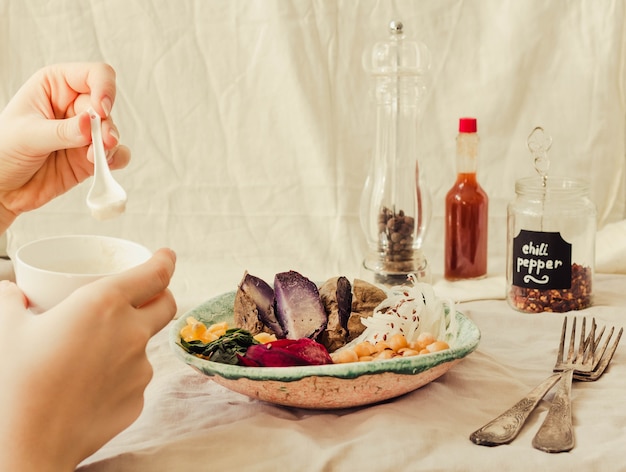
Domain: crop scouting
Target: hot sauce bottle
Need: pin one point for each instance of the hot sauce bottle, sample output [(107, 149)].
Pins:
[(466, 216)]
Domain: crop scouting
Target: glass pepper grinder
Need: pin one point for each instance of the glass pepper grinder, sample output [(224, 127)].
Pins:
[(395, 204)]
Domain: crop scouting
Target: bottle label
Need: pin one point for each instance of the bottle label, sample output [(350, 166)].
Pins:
[(542, 260)]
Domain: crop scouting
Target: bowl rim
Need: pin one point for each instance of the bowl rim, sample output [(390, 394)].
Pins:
[(23, 259), (218, 308)]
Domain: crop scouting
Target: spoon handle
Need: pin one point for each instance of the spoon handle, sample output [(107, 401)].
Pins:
[(504, 428), (96, 140)]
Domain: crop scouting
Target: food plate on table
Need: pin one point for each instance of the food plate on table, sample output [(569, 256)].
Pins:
[(328, 386)]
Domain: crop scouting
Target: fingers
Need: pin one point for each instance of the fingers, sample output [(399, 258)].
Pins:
[(118, 157), (95, 79), (72, 133), (150, 278), (76, 87), (158, 312), (146, 287), (140, 291), (110, 134), (12, 300), (68, 133)]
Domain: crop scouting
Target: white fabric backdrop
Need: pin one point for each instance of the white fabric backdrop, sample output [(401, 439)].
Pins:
[(250, 120)]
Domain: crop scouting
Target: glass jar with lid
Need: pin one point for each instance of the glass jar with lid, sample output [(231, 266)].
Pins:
[(550, 245)]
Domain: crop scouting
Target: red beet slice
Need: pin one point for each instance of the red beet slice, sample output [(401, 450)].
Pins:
[(286, 353)]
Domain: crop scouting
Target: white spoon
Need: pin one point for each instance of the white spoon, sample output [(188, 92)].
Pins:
[(106, 198)]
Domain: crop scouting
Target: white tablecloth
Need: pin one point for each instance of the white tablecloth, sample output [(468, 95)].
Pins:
[(191, 423)]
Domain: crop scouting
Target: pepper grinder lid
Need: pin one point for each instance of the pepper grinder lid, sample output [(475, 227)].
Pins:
[(397, 55)]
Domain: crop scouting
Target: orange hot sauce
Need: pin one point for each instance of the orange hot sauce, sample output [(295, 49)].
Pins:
[(466, 214)]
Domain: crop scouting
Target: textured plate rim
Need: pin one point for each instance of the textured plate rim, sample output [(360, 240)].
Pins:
[(213, 311)]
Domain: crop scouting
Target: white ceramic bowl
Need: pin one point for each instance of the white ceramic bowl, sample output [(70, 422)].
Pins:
[(48, 270), (325, 386)]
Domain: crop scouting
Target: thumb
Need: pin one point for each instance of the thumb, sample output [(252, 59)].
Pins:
[(12, 300), (66, 133)]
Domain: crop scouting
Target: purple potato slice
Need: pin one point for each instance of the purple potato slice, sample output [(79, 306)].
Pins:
[(299, 309)]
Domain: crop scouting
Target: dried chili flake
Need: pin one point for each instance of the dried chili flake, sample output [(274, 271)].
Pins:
[(577, 297)]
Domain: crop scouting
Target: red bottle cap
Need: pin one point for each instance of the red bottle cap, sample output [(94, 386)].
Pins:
[(467, 125)]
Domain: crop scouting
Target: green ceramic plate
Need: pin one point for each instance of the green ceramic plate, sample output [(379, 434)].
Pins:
[(325, 386)]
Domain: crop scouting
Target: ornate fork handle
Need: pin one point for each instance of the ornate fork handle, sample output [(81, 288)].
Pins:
[(504, 428), (556, 434)]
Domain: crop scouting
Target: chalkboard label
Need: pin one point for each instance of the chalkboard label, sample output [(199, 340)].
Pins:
[(542, 260)]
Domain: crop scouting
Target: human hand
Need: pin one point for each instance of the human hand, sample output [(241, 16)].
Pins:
[(73, 377), (45, 135)]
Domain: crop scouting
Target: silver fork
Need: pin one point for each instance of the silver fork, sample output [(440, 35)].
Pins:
[(504, 428), (601, 362), (556, 434)]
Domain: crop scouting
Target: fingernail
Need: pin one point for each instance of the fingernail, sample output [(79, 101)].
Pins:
[(106, 106), (90, 153), (113, 132), (109, 155), (4, 284)]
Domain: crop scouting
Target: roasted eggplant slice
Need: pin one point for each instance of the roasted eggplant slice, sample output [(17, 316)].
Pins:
[(365, 297), (344, 301), (254, 306)]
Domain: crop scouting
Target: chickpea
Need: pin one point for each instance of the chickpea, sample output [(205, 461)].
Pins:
[(381, 346), (365, 348), (395, 346), (397, 342), (385, 354), (345, 356), (408, 352), (424, 339), (437, 346)]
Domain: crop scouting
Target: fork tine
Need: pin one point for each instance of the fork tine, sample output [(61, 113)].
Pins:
[(581, 354), (603, 364), (600, 352), (588, 357), (607, 359), (598, 337), (559, 355), (572, 341)]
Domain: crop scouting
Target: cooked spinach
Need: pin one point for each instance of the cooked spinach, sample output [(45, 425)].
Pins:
[(224, 349)]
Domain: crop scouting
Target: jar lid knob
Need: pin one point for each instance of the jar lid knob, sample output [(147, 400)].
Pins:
[(395, 27), (539, 143)]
